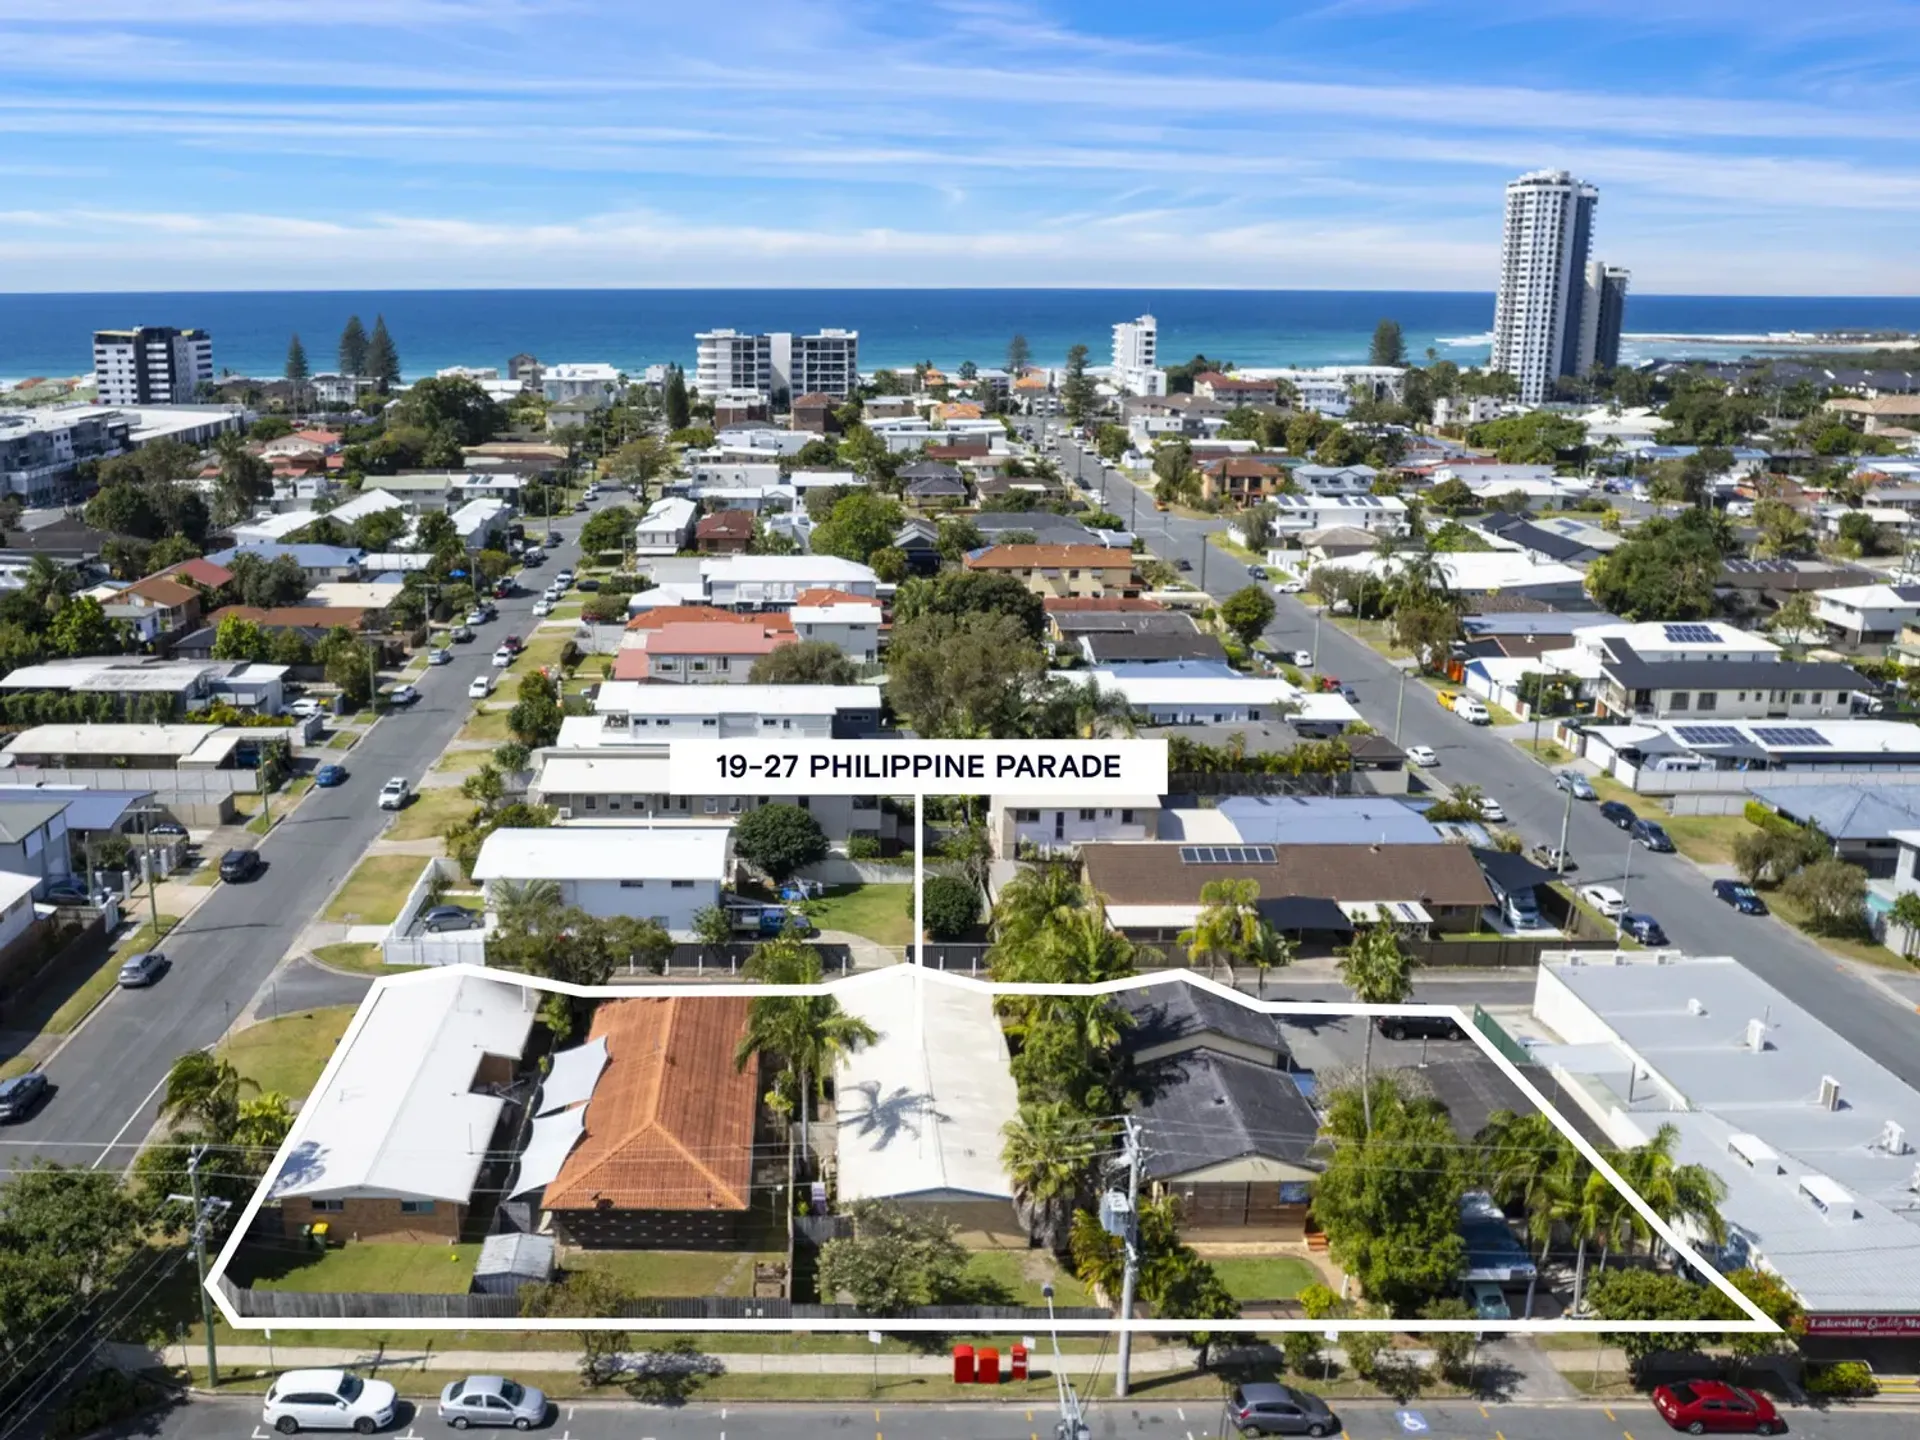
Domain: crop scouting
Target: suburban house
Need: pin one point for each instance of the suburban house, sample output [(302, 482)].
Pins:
[(1335, 480), (668, 712), (1060, 569), (1242, 479), (17, 915), (1176, 1018), (1142, 650), (725, 532), (137, 685), (662, 873), (665, 1158), (1035, 824), (1560, 538), (1376, 514), (1866, 617), (156, 606), (813, 413), (773, 582), (1725, 689), (917, 1114), (1863, 819), (1153, 891), (708, 652), (1070, 626), (1213, 695), (667, 527), (316, 562), (197, 571), (33, 840), (482, 524), (849, 623), (392, 1145)]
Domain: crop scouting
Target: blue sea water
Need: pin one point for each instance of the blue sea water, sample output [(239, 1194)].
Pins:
[(51, 334)]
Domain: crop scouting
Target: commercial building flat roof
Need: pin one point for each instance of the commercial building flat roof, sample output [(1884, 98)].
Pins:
[(632, 696), (592, 853), (188, 744)]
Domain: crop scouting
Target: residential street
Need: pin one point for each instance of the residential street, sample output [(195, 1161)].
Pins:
[(239, 1419), (108, 1075), (1670, 887)]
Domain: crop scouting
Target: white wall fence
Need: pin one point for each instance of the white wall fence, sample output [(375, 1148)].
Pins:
[(838, 870), (459, 947), (190, 785), (598, 639)]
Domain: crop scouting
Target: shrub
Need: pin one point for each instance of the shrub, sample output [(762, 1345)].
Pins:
[(1364, 1349), (779, 839), (951, 906), (1319, 1302), (1844, 1379), (863, 847), (1302, 1349), (101, 1399)]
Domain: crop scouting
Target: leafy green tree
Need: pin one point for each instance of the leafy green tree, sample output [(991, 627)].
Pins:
[(607, 530), (1019, 356), (1049, 1152), (64, 1236), (894, 1261), (1666, 570), (1247, 613), (1648, 1295), (956, 676), (860, 524), (1378, 972), (956, 593), (1175, 479), (950, 905), (535, 717), (1905, 917), (679, 410), (383, 360), (353, 348), (1832, 892), (448, 402), (239, 639), (170, 550), (81, 627), (889, 564), (1538, 437), (639, 462), (1452, 497), (807, 662), (779, 839), (1388, 346), (1079, 396), (1778, 1303)]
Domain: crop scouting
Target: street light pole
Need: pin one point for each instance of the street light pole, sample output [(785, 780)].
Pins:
[(1131, 1278), (1399, 704), (1072, 1424), (1566, 819)]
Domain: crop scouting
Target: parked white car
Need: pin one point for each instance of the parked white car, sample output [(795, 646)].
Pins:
[(393, 794), (1302, 658), (1491, 809), (1604, 898), (480, 687), (543, 606), (327, 1400), (1423, 756), (304, 709), (502, 658)]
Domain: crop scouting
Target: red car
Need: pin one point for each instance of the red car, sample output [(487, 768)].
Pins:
[(1706, 1407)]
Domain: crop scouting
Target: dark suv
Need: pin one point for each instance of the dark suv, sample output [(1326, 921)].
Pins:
[(1268, 1409), (1651, 834), (20, 1095), (238, 865), (1417, 1027)]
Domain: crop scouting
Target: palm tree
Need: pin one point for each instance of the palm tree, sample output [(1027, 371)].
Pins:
[(1378, 972), (1270, 950), (1048, 1151), (1036, 899), (1678, 1194), (1099, 714), (1905, 916), (206, 1089), (1521, 1154), (534, 906), (1227, 924), (1083, 949), (810, 1034)]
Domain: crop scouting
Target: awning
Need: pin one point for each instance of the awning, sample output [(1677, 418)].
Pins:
[(574, 1074), (1303, 912), (547, 1149)]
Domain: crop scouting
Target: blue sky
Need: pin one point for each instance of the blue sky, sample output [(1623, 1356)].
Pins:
[(1741, 146)]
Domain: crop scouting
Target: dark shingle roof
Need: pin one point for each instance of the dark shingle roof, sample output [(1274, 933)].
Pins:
[(1116, 646), (1629, 669), (1176, 1010), (1206, 1109)]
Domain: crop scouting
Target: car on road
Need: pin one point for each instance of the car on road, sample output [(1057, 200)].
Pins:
[(491, 1400), (543, 606), (327, 1400), (481, 686), (564, 576), (1423, 756), (1574, 781), (22, 1095), (1653, 835), (1702, 1407), (1418, 1027), (1552, 857), (450, 917), (305, 709), (1617, 814), (1740, 897), (394, 794), (1301, 658), (1292, 587), (440, 655), (476, 617), (1643, 928), (1604, 898), (1258, 572), (502, 658), (554, 537), (327, 776), (1491, 809), (403, 695), (1271, 1409), (589, 584), (142, 969), (1183, 564), (533, 559), (462, 633), (239, 865)]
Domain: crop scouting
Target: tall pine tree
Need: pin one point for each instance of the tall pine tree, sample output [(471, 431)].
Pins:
[(1018, 354), (383, 361), (297, 370), (1389, 347), (679, 412), (353, 347), (1078, 394)]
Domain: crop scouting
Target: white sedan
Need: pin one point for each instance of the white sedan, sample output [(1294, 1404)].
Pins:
[(543, 607), (1604, 898), (502, 658), (1423, 756), (1302, 658), (1291, 587)]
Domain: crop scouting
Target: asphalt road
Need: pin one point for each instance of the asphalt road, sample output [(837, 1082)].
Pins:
[(239, 1419), (108, 1076), (1669, 887)]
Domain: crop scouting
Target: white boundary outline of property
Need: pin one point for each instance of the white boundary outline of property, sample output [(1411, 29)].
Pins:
[(1757, 1324)]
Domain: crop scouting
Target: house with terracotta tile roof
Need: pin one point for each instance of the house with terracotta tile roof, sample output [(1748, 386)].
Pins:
[(814, 413), (849, 623), (698, 652), (665, 1151), (198, 571), (725, 532), (1242, 479), (1060, 570), (1234, 389), (167, 605)]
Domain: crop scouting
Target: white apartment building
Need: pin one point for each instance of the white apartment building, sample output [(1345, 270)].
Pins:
[(632, 712), (1330, 389), (779, 364), (666, 528), (594, 383), (40, 448), (1537, 322), (1465, 410), (849, 623), (1136, 364), (151, 365)]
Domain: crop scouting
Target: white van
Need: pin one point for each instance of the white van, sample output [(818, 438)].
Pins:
[(1472, 711)]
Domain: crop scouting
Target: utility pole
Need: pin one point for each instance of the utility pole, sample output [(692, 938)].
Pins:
[(1566, 819), (1399, 704), (203, 1212), (1316, 633), (153, 899), (1072, 1424), (1127, 1227)]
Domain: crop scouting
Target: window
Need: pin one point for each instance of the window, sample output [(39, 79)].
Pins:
[(710, 721), (733, 804), (1815, 697), (633, 884), (613, 802), (682, 885), (1680, 699), (866, 802), (1126, 817), (768, 724), (1026, 817), (330, 1207), (1797, 697), (589, 803), (416, 1207), (1708, 701), (1086, 815)]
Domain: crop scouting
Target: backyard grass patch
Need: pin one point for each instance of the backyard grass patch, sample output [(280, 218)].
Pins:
[(1376, 634), (376, 890), (365, 1267), (430, 812), (97, 986), (462, 760), (677, 1272), (1278, 1277), (1015, 1278), (287, 1054), (882, 913)]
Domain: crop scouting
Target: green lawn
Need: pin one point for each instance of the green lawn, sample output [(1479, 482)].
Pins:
[(677, 1272), (1378, 634), (370, 1266), (289, 1053), (376, 890), (360, 959), (490, 725), (1018, 1275), (882, 913), (1867, 952), (462, 760), (1546, 752), (1280, 1277), (343, 740), (430, 812), (543, 648), (97, 986)]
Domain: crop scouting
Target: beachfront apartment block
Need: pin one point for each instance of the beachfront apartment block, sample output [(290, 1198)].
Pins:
[(151, 365), (1136, 364), (777, 364), (1537, 324), (590, 384)]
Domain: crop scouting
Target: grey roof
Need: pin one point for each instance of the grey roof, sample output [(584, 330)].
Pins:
[(20, 818), (1051, 528), (1847, 812), (936, 485), (1863, 1253), (1205, 1108), (1174, 1010), (1109, 646), (1131, 622), (86, 809), (1635, 673), (514, 1253), (1536, 622), (1512, 872), (1545, 542)]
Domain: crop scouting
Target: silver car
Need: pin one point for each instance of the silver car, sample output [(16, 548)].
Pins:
[(142, 969), (491, 1400)]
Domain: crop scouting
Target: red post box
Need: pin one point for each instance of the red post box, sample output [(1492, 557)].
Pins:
[(963, 1365), (1017, 1363), (986, 1367)]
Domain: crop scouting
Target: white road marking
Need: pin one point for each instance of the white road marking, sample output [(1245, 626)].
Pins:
[(1181, 1413), (111, 1144)]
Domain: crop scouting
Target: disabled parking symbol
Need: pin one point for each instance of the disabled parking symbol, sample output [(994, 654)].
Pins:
[(1411, 1421)]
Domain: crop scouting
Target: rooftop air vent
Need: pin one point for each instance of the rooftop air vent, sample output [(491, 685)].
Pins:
[(1696, 1007), (1893, 1139), (1757, 1036), (1829, 1093)]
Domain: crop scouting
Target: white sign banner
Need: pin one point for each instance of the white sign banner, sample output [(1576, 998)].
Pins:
[(1078, 769)]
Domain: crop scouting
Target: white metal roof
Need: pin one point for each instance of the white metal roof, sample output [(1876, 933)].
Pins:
[(183, 742), (821, 570), (367, 502), (586, 852), (400, 1115), (920, 1109), (611, 774), (637, 697), (844, 612)]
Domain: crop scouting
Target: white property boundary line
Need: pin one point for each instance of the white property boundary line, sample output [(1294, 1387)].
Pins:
[(1757, 1324)]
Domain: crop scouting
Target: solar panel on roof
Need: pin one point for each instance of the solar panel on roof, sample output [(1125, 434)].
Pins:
[(1789, 735), (1690, 634), (1709, 734), (1226, 854)]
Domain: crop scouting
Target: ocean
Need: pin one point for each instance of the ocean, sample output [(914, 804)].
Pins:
[(51, 334)]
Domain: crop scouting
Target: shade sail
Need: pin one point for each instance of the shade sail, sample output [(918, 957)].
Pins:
[(572, 1078), (553, 1139)]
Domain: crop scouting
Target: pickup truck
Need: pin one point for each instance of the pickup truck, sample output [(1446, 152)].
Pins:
[(393, 794)]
